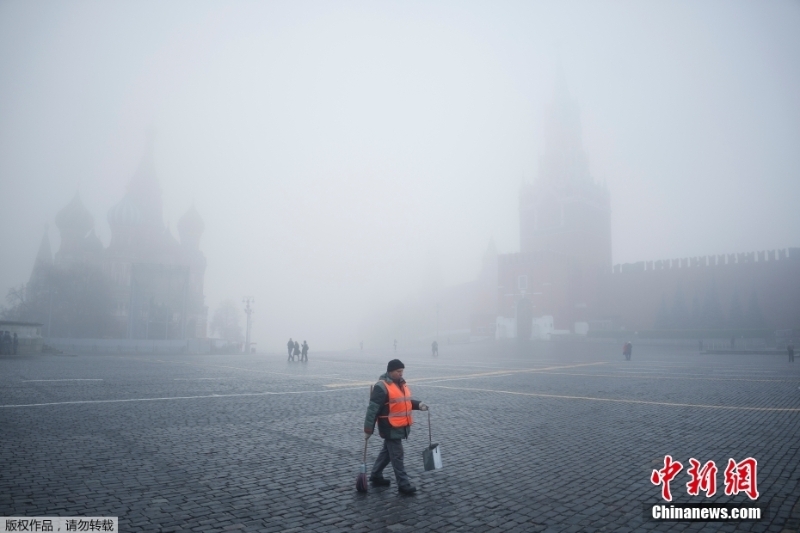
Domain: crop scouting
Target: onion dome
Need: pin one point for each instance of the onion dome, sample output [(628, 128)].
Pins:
[(125, 214), (191, 227), (75, 218)]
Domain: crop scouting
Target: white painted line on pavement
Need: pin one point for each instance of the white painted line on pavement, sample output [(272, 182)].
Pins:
[(617, 400), (71, 379), (197, 379), (662, 376), (243, 394), (299, 376), (497, 373)]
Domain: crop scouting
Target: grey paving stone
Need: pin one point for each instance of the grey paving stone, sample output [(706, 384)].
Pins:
[(522, 451)]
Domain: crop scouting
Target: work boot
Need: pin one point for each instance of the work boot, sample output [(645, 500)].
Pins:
[(408, 489), (379, 481)]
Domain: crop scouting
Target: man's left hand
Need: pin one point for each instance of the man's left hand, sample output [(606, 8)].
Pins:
[(423, 407)]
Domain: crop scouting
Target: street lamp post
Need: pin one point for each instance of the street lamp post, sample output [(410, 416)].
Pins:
[(437, 322), (249, 312)]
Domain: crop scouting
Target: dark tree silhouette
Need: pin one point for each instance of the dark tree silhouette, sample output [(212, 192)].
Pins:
[(226, 321), (73, 301)]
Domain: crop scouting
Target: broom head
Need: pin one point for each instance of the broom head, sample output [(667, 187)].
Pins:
[(361, 482)]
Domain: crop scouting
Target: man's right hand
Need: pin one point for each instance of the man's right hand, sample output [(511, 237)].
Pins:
[(367, 436)]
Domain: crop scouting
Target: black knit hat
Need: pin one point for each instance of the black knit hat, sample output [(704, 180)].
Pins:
[(394, 364)]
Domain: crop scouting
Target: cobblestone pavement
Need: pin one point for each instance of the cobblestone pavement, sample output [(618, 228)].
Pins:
[(546, 437)]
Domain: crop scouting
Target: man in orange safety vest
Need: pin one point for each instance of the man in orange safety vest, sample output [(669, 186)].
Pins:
[(390, 404)]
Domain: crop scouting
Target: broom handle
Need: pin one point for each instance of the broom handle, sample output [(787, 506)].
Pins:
[(430, 440), (373, 427)]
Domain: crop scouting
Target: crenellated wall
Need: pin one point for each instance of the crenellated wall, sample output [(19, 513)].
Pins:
[(710, 260), (707, 292)]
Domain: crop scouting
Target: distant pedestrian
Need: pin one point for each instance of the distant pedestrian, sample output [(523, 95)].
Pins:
[(15, 343), (435, 348), (290, 346), (7, 343), (627, 349), (296, 350), (304, 356), (790, 351), (395, 346)]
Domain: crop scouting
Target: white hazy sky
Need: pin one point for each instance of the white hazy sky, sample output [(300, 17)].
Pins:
[(337, 149)]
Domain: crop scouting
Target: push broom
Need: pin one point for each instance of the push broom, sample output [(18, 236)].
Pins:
[(361, 480)]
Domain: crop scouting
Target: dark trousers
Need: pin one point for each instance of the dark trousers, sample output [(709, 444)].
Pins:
[(392, 452)]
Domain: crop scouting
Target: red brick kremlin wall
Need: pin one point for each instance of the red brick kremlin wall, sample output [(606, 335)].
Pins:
[(632, 294)]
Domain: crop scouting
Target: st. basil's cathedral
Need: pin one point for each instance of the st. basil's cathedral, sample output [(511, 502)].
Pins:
[(153, 282)]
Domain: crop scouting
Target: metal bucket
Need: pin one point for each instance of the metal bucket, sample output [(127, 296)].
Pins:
[(432, 457)]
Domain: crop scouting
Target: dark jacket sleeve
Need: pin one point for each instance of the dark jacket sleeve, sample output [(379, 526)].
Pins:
[(377, 400)]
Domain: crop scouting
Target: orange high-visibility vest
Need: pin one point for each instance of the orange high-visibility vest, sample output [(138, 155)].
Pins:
[(399, 406)]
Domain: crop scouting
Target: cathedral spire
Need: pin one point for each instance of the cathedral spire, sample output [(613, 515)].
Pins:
[(44, 260), (143, 187), (45, 254)]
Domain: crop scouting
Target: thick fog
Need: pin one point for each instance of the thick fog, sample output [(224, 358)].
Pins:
[(345, 156)]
